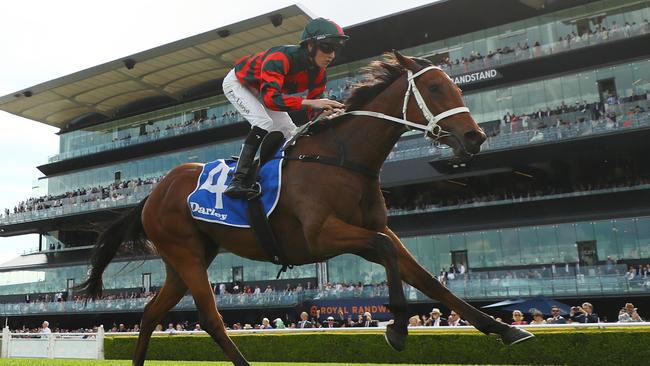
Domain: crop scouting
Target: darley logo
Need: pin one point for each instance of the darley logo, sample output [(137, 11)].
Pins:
[(208, 211)]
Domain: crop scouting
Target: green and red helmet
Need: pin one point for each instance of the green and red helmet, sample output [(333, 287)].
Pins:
[(323, 30)]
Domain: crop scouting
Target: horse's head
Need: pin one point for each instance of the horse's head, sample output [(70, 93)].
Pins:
[(434, 101)]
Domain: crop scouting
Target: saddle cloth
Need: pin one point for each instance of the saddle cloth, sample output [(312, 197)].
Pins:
[(208, 203)]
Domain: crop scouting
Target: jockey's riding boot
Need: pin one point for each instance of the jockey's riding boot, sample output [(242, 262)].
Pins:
[(240, 186)]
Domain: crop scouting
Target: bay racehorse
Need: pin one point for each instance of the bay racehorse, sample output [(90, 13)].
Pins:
[(323, 211)]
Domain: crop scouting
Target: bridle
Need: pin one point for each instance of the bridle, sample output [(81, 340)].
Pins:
[(432, 128)]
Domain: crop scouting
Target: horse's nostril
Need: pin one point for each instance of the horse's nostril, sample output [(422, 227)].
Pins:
[(475, 137)]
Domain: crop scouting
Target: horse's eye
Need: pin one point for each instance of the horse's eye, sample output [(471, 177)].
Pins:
[(433, 88)]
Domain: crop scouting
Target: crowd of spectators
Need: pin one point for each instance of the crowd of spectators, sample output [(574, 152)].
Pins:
[(113, 192), (524, 49), (407, 200), (228, 116), (577, 314), (566, 115), (62, 296)]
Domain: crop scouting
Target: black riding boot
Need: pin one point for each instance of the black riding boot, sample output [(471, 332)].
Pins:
[(240, 186)]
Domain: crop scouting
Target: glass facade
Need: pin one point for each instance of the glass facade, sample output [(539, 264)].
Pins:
[(128, 275), (630, 79), (545, 30), (535, 250), (143, 168), (137, 304), (621, 18), (485, 106), (620, 239), (549, 32), (144, 127), (553, 131)]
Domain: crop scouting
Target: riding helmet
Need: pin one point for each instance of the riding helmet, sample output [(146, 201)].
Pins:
[(323, 30)]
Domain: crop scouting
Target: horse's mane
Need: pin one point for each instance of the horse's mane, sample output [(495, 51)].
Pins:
[(376, 77)]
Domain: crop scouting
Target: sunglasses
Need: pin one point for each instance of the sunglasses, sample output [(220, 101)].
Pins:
[(328, 47)]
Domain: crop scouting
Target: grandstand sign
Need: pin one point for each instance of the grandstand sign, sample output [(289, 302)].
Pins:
[(476, 77), (375, 306)]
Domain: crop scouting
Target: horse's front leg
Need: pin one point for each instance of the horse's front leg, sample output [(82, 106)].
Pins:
[(417, 276), (337, 237)]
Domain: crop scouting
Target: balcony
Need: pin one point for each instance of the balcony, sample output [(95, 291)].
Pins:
[(227, 301), (575, 125), (596, 281), (513, 54)]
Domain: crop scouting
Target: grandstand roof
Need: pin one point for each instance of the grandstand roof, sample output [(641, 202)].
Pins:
[(161, 75)]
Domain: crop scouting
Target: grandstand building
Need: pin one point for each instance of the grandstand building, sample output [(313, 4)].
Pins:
[(555, 203)]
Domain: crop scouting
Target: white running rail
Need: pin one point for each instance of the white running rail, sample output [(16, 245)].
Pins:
[(53, 345)]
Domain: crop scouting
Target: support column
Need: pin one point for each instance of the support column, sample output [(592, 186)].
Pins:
[(100, 342), (6, 337)]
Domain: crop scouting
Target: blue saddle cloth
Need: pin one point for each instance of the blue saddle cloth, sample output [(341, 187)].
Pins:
[(208, 203)]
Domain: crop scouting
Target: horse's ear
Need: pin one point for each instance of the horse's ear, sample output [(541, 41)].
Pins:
[(407, 62)]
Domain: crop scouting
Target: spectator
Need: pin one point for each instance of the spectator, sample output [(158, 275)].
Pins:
[(454, 320), (366, 321), (518, 318), (629, 314), (349, 322), (266, 324), (436, 319), (304, 323), (279, 324), (538, 318), (45, 328), (170, 328), (556, 317), (330, 323), (584, 314), (415, 321)]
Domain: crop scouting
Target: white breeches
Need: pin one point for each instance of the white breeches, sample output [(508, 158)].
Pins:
[(250, 106)]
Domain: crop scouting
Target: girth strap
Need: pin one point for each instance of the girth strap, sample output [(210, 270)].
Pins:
[(339, 162), (264, 234)]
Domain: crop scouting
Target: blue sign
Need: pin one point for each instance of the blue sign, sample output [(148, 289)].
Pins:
[(354, 307)]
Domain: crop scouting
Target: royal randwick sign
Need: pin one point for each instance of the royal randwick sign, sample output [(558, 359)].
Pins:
[(354, 307), (476, 77)]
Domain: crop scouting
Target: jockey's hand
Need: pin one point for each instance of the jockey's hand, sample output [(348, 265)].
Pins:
[(324, 104), (332, 113)]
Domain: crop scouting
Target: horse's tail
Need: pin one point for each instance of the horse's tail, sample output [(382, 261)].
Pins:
[(126, 229)]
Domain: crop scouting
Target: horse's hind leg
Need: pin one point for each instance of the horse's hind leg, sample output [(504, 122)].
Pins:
[(417, 276), (188, 260), (336, 237), (168, 296), (171, 292)]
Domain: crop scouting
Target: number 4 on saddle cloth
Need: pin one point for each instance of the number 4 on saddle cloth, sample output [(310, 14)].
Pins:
[(208, 202)]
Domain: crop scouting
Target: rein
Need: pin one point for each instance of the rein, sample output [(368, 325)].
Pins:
[(432, 128)]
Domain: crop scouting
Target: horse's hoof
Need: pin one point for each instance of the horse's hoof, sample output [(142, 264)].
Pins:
[(395, 339), (515, 335)]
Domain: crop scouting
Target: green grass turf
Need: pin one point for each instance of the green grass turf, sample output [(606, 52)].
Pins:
[(44, 362)]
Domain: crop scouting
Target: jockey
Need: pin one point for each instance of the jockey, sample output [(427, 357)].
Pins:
[(262, 89)]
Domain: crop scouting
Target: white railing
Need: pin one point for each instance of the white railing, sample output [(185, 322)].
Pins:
[(53, 345)]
